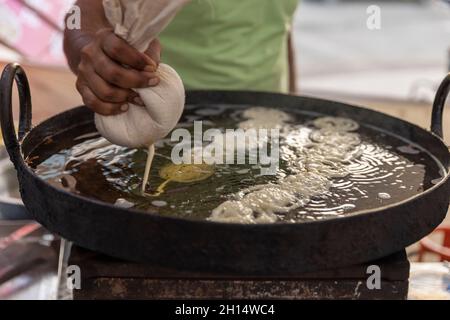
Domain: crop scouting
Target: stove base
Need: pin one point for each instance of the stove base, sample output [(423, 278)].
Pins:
[(107, 278)]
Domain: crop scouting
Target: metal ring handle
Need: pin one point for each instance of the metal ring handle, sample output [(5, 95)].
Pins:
[(14, 71), (438, 106)]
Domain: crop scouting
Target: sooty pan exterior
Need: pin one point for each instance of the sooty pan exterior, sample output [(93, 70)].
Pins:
[(277, 249)]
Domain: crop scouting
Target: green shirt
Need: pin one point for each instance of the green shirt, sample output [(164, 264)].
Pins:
[(231, 44)]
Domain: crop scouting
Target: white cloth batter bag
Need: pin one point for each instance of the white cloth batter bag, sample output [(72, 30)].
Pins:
[(139, 22)]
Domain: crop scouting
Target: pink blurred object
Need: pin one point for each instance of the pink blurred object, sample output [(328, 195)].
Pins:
[(441, 249), (33, 29)]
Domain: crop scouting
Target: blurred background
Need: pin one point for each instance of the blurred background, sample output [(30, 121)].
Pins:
[(395, 69), (337, 55)]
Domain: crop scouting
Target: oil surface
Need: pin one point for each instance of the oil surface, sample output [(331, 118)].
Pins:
[(387, 170)]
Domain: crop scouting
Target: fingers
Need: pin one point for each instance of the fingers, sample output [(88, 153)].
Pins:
[(118, 75), (101, 88), (97, 105), (110, 68), (120, 51)]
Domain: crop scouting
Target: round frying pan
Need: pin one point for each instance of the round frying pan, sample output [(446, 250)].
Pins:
[(281, 249)]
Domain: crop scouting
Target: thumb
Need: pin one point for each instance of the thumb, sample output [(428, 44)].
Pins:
[(154, 51)]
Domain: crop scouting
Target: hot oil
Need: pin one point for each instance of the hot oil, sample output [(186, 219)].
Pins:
[(387, 170)]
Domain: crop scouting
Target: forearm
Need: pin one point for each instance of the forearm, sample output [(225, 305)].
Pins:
[(92, 20)]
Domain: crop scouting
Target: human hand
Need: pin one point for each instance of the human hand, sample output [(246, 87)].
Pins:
[(110, 68)]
